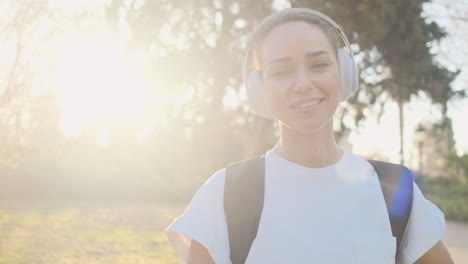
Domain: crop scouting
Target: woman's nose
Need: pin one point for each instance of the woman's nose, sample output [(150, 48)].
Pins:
[(303, 82)]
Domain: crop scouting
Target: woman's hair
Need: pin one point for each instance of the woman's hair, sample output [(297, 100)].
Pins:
[(257, 36)]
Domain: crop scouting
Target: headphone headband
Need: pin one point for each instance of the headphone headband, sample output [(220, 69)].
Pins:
[(330, 21)]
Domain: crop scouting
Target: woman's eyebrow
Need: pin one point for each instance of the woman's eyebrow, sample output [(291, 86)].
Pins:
[(310, 54), (316, 53), (277, 60)]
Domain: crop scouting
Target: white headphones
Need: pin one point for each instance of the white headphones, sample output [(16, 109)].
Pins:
[(348, 68)]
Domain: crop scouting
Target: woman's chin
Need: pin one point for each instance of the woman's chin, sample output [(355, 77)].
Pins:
[(307, 127)]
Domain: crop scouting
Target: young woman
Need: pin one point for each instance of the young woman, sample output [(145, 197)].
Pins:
[(321, 204)]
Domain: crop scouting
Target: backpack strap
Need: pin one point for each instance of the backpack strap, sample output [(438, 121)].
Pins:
[(244, 192), (243, 203), (396, 182)]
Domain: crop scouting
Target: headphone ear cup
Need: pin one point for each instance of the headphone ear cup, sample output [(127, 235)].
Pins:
[(349, 74), (255, 94)]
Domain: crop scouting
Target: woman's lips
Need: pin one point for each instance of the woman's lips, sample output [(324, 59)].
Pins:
[(307, 105)]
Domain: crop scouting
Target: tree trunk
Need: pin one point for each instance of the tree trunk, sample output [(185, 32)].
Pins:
[(400, 112)]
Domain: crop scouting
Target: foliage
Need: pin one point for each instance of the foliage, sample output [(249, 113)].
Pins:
[(450, 195), (457, 163)]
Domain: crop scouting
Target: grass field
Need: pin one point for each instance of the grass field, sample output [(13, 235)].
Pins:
[(66, 233), (91, 233)]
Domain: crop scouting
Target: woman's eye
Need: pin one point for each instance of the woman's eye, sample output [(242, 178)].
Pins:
[(280, 73), (319, 65)]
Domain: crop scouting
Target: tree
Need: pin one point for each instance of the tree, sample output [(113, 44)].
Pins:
[(23, 34), (457, 163), (197, 42), (193, 46), (29, 112)]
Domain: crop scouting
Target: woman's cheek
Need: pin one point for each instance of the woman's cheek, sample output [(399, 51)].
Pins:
[(276, 99)]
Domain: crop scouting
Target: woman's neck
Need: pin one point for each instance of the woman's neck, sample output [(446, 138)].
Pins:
[(315, 150)]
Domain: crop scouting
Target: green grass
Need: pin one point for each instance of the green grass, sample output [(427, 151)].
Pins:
[(48, 233)]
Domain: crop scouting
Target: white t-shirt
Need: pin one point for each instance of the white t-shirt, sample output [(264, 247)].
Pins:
[(335, 214)]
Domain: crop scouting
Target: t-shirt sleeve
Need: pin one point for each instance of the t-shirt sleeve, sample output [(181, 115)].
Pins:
[(425, 228), (204, 221)]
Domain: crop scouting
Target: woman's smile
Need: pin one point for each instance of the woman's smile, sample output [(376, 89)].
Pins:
[(307, 105)]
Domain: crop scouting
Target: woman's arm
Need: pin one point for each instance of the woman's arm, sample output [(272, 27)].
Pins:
[(438, 254), (199, 254)]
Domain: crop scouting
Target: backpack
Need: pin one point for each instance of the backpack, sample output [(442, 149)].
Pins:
[(244, 185)]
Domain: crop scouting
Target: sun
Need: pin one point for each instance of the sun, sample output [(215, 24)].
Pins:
[(96, 84)]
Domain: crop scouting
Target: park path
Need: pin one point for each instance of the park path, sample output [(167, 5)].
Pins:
[(456, 239)]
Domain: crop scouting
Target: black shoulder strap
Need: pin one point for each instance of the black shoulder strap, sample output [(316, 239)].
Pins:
[(396, 182), (243, 203), (244, 193)]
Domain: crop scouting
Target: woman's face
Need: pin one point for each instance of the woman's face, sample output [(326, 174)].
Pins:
[(300, 75)]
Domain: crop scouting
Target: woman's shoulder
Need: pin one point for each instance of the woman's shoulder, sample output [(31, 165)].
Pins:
[(203, 220), (214, 184), (355, 162), (217, 176), (217, 180)]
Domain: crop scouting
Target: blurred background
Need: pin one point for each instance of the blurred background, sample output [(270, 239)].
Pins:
[(114, 112)]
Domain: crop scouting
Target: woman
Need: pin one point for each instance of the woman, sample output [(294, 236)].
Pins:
[(321, 204)]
